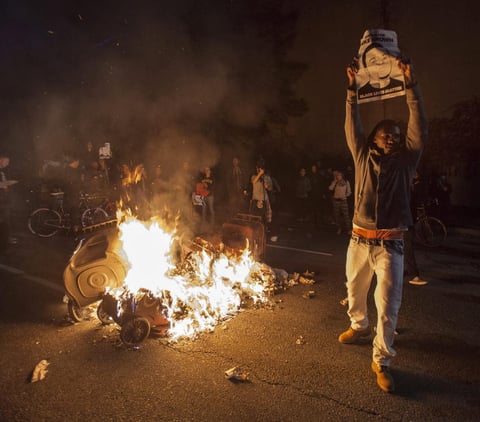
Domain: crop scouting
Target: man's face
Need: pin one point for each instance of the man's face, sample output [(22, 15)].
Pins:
[(378, 64), (4, 162), (388, 139)]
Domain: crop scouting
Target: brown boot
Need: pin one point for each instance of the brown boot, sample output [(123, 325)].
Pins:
[(352, 336), (384, 377)]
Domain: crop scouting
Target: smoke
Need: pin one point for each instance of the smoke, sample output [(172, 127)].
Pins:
[(154, 82)]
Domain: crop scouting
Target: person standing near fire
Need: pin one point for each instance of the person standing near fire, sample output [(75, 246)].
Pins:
[(236, 184), (341, 191), (260, 202), (209, 188), (385, 164)]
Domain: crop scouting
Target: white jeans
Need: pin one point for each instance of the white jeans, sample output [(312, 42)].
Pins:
[(385, 259)]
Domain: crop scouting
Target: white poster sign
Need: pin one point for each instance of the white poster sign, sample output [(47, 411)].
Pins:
[(378, 76)]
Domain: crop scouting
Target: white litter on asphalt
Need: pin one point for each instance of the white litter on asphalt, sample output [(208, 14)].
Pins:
[(40, 371)]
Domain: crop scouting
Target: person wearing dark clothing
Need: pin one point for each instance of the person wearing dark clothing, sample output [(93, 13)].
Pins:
[(5, 202), (236, 187), (411, 266), (302, 194), (209, 184), (73, 181), (442, 192), (316, 195)]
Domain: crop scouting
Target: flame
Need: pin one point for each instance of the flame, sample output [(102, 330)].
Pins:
[(130, 177), (198, 293)]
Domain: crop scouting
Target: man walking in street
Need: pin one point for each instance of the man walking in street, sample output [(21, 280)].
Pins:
[(385, 164)]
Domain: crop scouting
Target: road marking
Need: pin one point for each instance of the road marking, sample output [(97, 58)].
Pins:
[(38, 280), (300, 250)]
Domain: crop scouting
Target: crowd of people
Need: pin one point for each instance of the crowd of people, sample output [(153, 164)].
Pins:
[(380, 223), (316, 197)]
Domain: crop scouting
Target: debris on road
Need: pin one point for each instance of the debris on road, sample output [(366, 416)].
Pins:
[(236, 374), (40, 371), (300, 340), (309, 294)]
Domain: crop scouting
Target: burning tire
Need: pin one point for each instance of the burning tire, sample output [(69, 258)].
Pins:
[(134, 331)]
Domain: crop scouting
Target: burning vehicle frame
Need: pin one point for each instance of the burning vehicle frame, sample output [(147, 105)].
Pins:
[(98, 269)]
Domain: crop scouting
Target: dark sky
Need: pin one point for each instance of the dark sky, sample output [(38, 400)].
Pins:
[(440, 37), (118, 71)]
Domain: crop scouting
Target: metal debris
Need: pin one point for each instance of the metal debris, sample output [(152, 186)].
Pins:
[(40, 371)]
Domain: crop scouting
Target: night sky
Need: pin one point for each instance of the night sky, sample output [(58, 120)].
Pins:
[(440, 37), (156, 77)]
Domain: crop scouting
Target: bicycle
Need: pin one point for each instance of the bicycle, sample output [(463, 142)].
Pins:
[(48, 221), (429, 231), (104, 210)]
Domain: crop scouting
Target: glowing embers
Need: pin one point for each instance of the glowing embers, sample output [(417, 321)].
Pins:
[(180, 292)]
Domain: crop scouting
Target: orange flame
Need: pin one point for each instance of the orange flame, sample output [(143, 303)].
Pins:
[(205, 289)]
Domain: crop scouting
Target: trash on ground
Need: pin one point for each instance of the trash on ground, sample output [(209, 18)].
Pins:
[(40, 371), (306, 281), (300, 340), (236, 374), (309, 294)]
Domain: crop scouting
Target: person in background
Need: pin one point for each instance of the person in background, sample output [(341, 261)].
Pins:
[(315, 203), (88, 156), (385, 163), (158, 185), (411, 267), (273, 188), (341, 190), (209, 183), (236, 188), (5, 203), (260, 202), (73, 184), (302, 193), (442, 192)]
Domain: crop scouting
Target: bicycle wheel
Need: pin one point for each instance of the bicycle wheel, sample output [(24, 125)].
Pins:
[(430, 231), (44, 222), (93, 216)]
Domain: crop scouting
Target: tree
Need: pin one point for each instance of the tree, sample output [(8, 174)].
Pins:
[(455, 140)]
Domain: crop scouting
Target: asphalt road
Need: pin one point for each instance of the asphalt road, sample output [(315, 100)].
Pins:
[(296, 368)]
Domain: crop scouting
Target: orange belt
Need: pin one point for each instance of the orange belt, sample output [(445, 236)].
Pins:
[(378, 234)]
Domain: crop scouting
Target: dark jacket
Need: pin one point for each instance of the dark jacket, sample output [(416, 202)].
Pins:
[(382, 188)]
